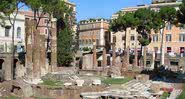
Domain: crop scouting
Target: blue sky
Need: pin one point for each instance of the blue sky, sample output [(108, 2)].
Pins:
[(103, 8)]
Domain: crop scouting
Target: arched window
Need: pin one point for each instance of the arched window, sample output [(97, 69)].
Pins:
[(18, 32)]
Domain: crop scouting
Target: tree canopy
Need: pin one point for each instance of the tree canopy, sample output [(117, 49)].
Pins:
[(124, 21), (181, 13)]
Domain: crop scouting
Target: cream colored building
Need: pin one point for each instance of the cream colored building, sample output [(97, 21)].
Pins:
[(129, 41), (6, 33), (90, 31)]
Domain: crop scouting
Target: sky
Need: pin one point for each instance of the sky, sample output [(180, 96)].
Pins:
[(103, 8)]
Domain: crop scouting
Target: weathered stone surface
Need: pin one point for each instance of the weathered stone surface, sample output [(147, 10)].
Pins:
[(113, 54), (96, 82), (22, 88), (155, 87), (116, 69), (29, 49), (79, 82), (94, 57), (104, 58), (87, 62), (8, 69), (43, 66), (136, 57), (142, 77), (53, 48), (36, 54), (20, 70), (125, 61), (66, 93)]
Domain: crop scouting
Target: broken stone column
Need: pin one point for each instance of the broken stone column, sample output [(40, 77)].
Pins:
[(116, 69), (20, 70), (125, 60), (36, 53), (144, 56), (8, 70), (104, 58), (29, 50), (53, 49), (153, 60), (94, 56), (43, 68), (113, 54), (136, 57)]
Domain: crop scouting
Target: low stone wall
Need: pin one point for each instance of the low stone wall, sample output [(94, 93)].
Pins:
[(5, 88), (130, 74), (65, 93)]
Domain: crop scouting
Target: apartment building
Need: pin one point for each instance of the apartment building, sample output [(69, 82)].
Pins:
[(6, 34), (173, 42), (93, 30), (172, 34)]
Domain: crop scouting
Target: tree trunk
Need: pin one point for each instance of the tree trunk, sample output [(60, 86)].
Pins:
[(13, 51)]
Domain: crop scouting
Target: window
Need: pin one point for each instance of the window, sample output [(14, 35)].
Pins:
[(46, 31), (182, 37), (174, 63), (155, 37), (7, 31), (182, 49), (169, 49), (169, 26), (168, 37), (114, 39), (123, 37), (19, 32), (46, 21), (132, 38)]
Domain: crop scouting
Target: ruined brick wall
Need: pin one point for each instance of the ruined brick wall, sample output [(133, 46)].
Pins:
[(66, 93)]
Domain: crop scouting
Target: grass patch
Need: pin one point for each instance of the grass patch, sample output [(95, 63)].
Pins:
[(9, 97), (116, 81), (53, 83), (41, 98), (165, 95), (182, 95)]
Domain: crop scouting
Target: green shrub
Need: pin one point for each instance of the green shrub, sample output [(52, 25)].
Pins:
[(182, 95), (86, 49), (165, 95)]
